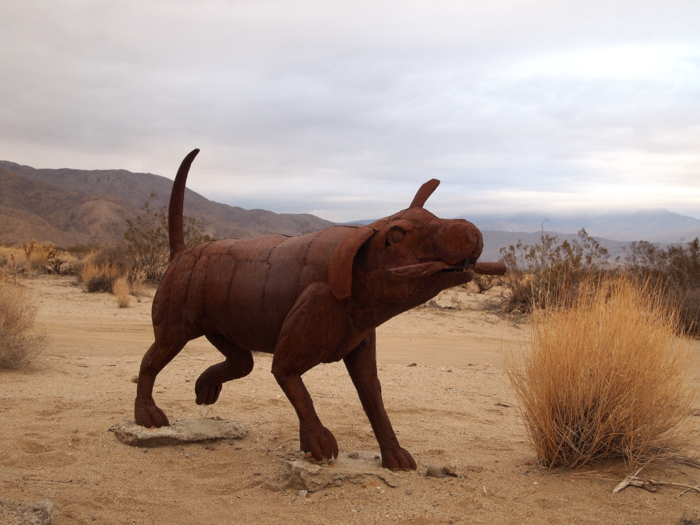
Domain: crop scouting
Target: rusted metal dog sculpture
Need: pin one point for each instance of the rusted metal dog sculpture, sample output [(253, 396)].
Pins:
[(315, 298)]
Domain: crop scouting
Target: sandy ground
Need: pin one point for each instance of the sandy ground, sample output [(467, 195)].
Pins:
[(455, 405)]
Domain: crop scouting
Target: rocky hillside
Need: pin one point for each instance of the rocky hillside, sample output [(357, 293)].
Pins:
[(68, 206)]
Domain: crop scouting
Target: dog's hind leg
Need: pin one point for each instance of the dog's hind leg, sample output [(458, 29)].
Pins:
[(159, 354), (239, 363)]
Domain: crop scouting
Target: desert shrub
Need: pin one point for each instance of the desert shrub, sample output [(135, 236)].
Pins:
[(81, 250), (114, 255), (550, 273), (147, 245), (98, 277), (675, 269), (45, 257), (605, 378), (483, 283), (14, 265), (41, 257), (121, 290), (18, 345)]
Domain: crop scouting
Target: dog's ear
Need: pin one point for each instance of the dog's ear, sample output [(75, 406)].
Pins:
[(425, 191), (340, 265)]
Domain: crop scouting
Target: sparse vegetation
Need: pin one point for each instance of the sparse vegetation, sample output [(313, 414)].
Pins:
[(44, 257), (549, 273), (605, 378), (677, 270), (146, 242), (18, 344), (484, 283), (10, 266), (141, 258)]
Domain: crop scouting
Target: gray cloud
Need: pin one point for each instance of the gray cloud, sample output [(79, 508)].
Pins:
[(344, 109)]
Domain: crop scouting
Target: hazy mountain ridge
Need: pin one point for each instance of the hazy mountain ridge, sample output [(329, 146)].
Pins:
[(68, 206), (513, 229), (654, 225)]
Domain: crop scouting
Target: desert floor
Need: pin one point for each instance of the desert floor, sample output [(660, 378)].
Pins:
[(455, 406)]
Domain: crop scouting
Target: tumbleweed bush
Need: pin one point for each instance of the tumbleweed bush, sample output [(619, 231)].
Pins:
[(605, 378), (18, 343)]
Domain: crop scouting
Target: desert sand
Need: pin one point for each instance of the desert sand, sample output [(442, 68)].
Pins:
[(454, 407)]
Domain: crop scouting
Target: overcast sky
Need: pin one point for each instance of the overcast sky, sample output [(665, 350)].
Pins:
[(343, 109)]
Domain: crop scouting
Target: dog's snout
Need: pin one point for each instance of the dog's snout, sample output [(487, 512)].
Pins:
[(458, 240)]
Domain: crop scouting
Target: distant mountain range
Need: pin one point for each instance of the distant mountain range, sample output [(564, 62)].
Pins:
[(68, 206), (655, 225), (613, 231)]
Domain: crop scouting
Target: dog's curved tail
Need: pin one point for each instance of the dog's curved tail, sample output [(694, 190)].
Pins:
[(176, 230)]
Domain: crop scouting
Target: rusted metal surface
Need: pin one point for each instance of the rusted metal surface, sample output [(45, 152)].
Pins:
[(315, 298)]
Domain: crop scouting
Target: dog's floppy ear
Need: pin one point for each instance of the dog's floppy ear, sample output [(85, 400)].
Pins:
[(340, 265)]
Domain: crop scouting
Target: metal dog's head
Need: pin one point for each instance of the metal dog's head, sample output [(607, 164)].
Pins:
[(407, 257)]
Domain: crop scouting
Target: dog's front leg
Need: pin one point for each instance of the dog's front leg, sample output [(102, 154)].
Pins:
[(310, 335), (314, 438), (362, 366)]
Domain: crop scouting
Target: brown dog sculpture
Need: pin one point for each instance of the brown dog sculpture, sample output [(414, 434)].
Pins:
[(315, 298)]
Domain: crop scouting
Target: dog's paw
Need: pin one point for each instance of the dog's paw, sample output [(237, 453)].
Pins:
[(207, 394), (319, 442), (398, 459), (147, 414)]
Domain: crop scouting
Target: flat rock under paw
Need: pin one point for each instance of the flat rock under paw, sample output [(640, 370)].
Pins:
[(179, 432), (353, 467), (20, 514)]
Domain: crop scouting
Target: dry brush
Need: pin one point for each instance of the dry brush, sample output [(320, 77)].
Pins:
[(605, 378)]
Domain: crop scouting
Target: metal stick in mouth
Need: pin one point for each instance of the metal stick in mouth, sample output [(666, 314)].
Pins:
[(490, 268)]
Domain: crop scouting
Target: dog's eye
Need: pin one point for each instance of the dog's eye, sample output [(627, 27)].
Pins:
[(395, 235)]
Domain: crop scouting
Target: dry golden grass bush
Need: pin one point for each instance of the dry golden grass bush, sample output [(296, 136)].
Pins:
[(5, 253), (18, 344), (605, 378), (98, 277), (12, 262), (39, 255), (121, 290)]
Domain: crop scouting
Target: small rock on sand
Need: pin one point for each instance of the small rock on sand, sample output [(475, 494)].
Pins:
[(434, 471)]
